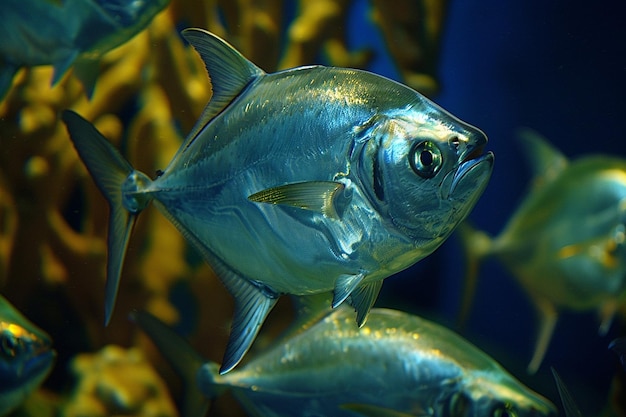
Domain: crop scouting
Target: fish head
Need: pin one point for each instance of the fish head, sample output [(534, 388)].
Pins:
[(495, 393), (26, 357), (423, 169)]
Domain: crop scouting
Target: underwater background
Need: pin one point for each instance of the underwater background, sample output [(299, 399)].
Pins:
[(558, 67)]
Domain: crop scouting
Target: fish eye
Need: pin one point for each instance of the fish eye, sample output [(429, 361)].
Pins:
[(503, 411), (459, 405), (425, 158), (10, 346)]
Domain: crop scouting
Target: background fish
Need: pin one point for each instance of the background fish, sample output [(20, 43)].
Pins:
[(304, 181), (396, 365), (619, 347), (26, 357), (67, 32), (566, 242)]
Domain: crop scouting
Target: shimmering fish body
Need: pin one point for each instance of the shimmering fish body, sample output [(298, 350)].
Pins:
[(305, 181), (67, 32), (566, 243), (26, 357), (395, 365)]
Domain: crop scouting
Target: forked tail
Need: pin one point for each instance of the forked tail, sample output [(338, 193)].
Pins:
[(122, 187), (198, 376)]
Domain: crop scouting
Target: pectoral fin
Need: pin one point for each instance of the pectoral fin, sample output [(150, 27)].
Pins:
[(319, 196)]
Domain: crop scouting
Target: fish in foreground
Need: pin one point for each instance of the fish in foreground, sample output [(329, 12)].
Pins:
[(397, 365), (566, 242), (305, 181), (63, 33), (26, 357)]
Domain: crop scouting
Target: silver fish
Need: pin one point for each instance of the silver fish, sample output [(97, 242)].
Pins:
[(305, 181), (566, 243), (67, 32), (26, 357), (397, 365)]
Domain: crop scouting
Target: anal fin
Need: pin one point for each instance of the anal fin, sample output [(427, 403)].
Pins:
[(253, 302)]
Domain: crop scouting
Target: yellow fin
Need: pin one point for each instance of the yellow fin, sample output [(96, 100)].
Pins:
[(547, 320), (319, 196)]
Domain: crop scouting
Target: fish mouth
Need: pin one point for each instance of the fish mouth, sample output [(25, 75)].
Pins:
[(41, 363), (470, 177)]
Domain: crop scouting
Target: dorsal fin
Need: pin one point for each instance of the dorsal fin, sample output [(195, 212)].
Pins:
[(229, 71), (546, 161)]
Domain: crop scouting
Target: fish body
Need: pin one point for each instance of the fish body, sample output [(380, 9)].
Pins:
[(62, 33), (395, 365), (565, 244), (301, 182), (26, 357)]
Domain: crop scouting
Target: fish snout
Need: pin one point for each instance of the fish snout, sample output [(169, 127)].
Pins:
[(470, 178)]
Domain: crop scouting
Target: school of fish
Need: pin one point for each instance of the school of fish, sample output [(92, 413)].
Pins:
[(319, 183)]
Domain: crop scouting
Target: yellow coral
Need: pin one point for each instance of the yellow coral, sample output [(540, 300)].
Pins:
[(117, 381)]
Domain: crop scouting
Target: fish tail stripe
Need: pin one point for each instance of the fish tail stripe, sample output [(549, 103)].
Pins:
[(185, 361), (109, 171)]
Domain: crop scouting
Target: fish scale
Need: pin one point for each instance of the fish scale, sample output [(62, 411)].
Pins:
[(274, 185)]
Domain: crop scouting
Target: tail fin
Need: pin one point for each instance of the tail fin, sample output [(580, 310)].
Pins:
[(185, 361), (477, 245), (111, 173)]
